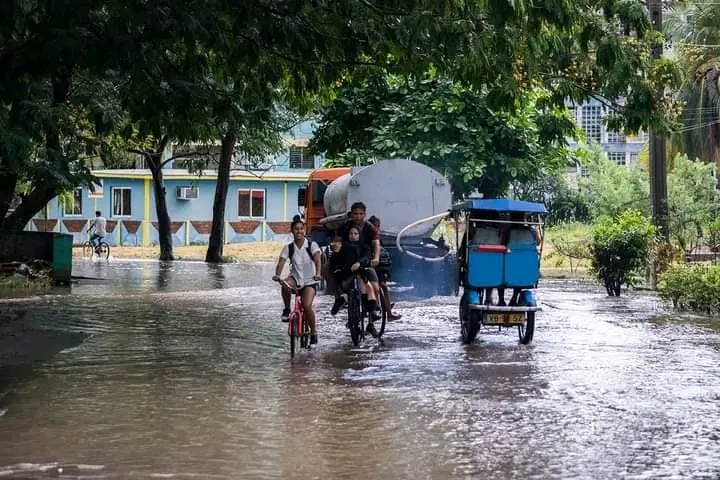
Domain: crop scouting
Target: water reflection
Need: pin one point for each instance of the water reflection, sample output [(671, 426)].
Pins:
[(216, 274), (161, 371)]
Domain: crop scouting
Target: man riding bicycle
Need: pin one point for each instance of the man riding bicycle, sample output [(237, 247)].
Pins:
[(99, 224), (350, 259), (304, 257), (368, 236)]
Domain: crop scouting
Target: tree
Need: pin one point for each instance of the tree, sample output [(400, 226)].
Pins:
[(449, 127), (612, 188), (249, 139), (50, 99), (693, 201), (158, 61), (694, 28), (620, 248)]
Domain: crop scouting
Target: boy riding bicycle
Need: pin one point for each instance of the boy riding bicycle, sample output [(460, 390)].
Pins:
[(304, 257), (353, 258), (99, 224)]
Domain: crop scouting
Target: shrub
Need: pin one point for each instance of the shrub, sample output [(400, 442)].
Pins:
[(620, 248), (693, 287)]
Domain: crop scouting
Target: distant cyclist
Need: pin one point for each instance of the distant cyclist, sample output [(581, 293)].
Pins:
[(304, 257), (99, 224)]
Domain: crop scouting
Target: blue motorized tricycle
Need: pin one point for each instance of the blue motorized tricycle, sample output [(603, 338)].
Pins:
[(499, 264)]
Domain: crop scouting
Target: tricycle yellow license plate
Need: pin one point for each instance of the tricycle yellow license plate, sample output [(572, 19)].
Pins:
[(505, 318)]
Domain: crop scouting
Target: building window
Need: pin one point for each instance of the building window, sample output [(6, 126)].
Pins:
[(592, 122), (73, 207), (300, 158), (251, 203), (634, 158), (615, 137), (121, 202), (641, 137), (617, 157)]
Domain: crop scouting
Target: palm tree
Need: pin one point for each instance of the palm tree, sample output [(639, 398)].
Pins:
[(694, 29)]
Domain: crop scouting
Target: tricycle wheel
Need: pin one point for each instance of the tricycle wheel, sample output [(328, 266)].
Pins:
[(527, 330), (469, 322)]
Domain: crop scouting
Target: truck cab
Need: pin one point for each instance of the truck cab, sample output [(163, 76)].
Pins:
[(311, 201)]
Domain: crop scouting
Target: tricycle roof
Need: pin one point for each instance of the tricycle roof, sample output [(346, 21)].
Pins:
[(500, 205)]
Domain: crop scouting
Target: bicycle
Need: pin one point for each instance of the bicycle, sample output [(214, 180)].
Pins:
[(102, 250), (357, 314), (298, 328)]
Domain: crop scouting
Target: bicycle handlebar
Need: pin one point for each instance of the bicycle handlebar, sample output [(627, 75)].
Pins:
[(295, 290)]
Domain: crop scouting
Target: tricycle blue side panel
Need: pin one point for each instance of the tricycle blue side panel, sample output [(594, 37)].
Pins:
[(485, 269), (522, 267)]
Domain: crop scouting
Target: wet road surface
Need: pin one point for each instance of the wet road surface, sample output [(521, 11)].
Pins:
[(183, 371)]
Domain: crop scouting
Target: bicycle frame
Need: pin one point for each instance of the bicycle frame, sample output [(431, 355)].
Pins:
[(296, 323)]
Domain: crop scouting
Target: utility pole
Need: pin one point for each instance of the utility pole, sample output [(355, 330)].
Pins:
[(657, 163)]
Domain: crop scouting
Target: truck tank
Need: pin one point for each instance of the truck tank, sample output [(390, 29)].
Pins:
[(398, 191)]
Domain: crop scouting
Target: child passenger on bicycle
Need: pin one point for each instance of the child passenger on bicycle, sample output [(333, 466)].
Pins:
[(348, 259)]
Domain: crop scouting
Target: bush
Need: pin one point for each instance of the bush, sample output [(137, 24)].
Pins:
[(693, 287), (620, 248)]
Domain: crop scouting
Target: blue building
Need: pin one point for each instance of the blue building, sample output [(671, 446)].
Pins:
[(261, 201)]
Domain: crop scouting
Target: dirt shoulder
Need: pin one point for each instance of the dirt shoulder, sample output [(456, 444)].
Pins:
[(236, 252)]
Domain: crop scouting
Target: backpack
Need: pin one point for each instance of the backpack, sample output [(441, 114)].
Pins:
[(385, 258), (291, 250)]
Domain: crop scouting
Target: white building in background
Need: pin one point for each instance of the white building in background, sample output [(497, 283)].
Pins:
[(620, 148)]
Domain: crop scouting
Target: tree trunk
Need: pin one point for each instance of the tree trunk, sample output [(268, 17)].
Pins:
[(215, 245), (164, 235), (30, 206), (8, 183)]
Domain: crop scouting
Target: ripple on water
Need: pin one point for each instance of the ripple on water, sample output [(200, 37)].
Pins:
[(149, 380)]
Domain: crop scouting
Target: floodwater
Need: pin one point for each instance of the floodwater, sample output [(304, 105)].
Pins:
[(183, 371)]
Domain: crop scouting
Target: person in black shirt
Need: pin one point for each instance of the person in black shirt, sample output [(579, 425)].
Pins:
[(352, 258), (368, 236)]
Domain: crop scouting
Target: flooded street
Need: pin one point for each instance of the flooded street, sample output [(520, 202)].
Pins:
[(183, 371)]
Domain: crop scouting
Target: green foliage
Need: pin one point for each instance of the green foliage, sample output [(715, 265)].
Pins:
[(611, 188), (620, 248), (693, 287), (693, 201), (694, 28), (448, 127), (713, 235), (569, 246), (85, 80), (564, 202)]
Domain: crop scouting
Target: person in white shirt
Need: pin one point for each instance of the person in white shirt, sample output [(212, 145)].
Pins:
[(304, 257), (99, 225)]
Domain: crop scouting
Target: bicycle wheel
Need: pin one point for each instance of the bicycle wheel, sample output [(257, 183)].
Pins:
[(292, 333), (383, 316), (88, 250), (104, 250), (355, 321)]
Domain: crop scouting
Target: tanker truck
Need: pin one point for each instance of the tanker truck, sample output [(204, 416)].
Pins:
[(399, 192)]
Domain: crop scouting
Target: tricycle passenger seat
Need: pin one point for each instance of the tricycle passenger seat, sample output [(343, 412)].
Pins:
[(485, 265), (522, 262)]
